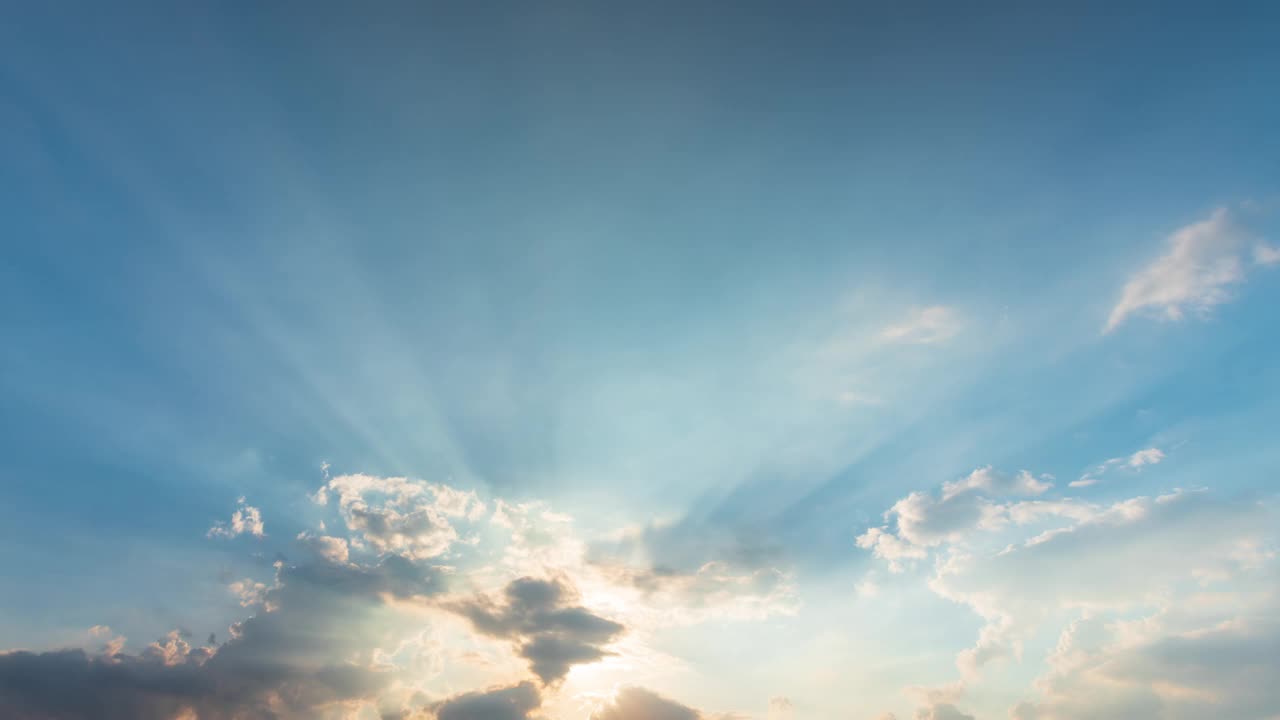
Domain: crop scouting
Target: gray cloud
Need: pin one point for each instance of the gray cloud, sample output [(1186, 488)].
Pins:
[(299, 657), (639, 704), (516, 702), (540, 616)]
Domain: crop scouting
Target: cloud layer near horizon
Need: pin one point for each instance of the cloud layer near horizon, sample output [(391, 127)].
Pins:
[(328, 634)]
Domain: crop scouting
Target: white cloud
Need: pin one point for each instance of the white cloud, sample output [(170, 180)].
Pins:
[(1266, 254), (924, 520), (1150, 456), (328, 548), (1203, 260), (1175, 592), (1136, 461), (245, 520), (933, 324), (400, 515), (248, 592)]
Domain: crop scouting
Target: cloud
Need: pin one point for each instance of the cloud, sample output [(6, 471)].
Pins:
[(1203, 261), (307, 653), (924, 326), (245, 520), (781, 708), (517, 702), (540, 616), (1162, 667), (634, 703), (942, 711), (1150, 456), (1173, 599), (926, 520), (328, 548), (938, 703), (400, 515), (1125, 557), (363, 620), (1266, 254), (1136, 461)]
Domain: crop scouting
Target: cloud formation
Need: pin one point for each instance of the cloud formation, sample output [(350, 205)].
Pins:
[(1171, 598), (400, 515), (542, 618), (246, 520), (517, 702), (924, 326), (633, 703), (925, 520), (1136, 461), (308, 652), (1202, 262)]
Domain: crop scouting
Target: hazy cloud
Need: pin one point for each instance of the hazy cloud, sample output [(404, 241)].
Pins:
[(924, 326)]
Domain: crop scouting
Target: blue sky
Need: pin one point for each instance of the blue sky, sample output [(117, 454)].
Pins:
[(740, 322)]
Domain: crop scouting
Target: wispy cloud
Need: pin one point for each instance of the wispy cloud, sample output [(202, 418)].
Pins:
[(1139, 459), (1201, 264), (924, 326)]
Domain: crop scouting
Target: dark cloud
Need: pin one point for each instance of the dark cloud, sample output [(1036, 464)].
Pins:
[(639, 704), (71, 685), (298, 656), (541, 617), (516, 702)]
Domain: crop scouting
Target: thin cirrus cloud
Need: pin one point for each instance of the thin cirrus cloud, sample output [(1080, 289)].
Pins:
[(1203, 261), (924, 326)]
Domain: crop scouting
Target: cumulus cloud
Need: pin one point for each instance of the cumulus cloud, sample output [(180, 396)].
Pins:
[(1136, 461), (926, 520), (634, 703), (328, 548), (924, 326), (1202, 262), (245, 520), (1165, 623), (400, 515), (542, 618)]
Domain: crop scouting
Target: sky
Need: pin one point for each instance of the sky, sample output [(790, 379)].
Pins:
[(639, 361)]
